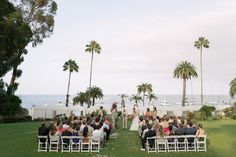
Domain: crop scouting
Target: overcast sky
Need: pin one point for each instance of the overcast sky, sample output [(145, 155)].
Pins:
[(141, 41)]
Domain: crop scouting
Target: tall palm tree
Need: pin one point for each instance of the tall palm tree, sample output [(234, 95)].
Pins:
[(123, 96), (200, 44), (185, 70), (81, 98), (136, 98), (151, 97), (232, 90), (92, 47), (95, 93), (71, 66), (144, 88)]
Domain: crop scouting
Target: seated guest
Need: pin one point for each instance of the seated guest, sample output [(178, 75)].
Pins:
[(98, 134), (106, 128), (200, 130), (53, 133), (190, 129), (165, 126), (181, 130), (85, 137), (75, 132), (60, 128), (149, 133), (66, 132), (43, 131)]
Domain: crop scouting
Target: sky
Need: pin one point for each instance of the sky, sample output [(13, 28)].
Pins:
[(141, 41)]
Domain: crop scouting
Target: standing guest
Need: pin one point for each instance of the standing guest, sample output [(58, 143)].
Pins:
[(154, 113), (147, 114), (100, 112), (200, 130), (113, 114)]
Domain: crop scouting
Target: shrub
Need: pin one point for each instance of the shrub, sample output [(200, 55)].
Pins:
[(207, 111)]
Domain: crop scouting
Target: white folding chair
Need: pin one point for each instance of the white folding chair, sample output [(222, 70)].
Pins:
[(151, 144), (95, 145), (201, 143), (181, 143), (85, 144), (75, 144), (161, 144), (171, 143), (65, 143), (191, 143), (54, 144), (42, 143)]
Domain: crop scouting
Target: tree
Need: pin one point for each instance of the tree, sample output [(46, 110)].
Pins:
[(151, 97), (136, 98), (144, 88), (81, 98), (71, 66), (95, 93), (200, 44), (39, 16), (92, 47), (232, 90), (15, 35), (185, 70), (123, 96)]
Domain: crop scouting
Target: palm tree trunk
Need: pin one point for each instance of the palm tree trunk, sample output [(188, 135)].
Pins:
[(143, 98), (13, 77), (91, 69), (93, 101), (68, 88), (184, 92), (201, 76)]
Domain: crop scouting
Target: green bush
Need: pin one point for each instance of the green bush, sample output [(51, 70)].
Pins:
[(206, 112)]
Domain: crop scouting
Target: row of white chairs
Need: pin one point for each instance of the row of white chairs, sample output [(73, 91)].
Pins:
[(68, 144), (176, 143)]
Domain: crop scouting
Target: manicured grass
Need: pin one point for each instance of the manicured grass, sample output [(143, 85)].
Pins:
[(19, 139)]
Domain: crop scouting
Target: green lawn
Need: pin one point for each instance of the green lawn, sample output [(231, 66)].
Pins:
[(19, 139)]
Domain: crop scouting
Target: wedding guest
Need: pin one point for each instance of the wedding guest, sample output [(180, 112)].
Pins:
[(113, 114), (200, 130)]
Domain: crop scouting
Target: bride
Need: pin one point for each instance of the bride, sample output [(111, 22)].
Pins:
[(134, 125)]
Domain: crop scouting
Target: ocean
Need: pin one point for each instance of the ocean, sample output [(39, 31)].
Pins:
[(28, 101)]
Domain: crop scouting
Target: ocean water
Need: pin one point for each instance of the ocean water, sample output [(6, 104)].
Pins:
[(28, 101)]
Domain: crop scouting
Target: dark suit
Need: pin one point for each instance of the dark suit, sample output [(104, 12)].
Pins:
[(149, 133), (43, 131), (191, 131)]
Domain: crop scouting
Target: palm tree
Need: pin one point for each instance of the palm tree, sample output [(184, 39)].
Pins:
[(151, 97), (232, 90), (185, 70), (144, 88), (72, 66), (92, 47), (199, 44), (81, 98), (123, 96), (136, 98), (95, 93)]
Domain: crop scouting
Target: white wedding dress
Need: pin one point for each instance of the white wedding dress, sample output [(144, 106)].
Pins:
[(134, 125)]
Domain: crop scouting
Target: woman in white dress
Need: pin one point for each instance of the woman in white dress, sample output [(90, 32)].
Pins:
[(134, 125)]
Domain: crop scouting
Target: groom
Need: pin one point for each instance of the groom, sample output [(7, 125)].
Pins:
[(124, 119)]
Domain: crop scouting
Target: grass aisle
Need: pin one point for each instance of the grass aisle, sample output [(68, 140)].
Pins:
[(19, 140)]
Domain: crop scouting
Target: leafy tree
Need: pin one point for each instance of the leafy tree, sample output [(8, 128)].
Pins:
[(144, 88), (39, 16), (185, 70), (71, 66), (92, 47), (200, 44), (232, 91), (207, 111), (151, 97), (81, 98), (95, 93), (123, 96), (136, 98), (15, 34)]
